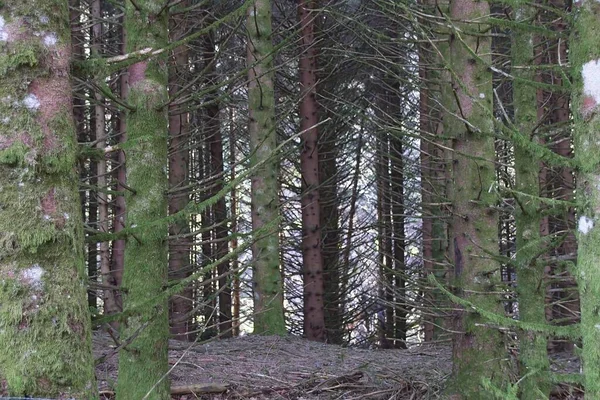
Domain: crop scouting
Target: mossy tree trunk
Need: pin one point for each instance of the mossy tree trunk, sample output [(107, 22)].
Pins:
[(533, 355), (267, 282), (44, 319), (585, 59), (143, 363), (477, 350)]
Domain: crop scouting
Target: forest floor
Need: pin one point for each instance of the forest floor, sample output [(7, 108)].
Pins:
[(292, 368), (273, 367)]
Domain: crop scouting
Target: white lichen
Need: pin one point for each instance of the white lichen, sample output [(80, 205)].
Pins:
[(5, 120), (482, 95), (585, 224), (3, 34), (31, 102), (591, 79), (44, 19), (32, 276), (50, 39), (66, 216)]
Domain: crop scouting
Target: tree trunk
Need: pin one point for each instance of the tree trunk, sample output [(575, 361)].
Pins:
[(180, 243), (144, 362), (533, 355), (234, 230), (215, 145), (584, 56), (477, 350), (331, 237), (44, 317), (267, 282), (399, 269), (312, 264)]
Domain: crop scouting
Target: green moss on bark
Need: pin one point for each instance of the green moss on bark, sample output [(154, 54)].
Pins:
[(143, 364), (584, 52), (44, 320), (478, 350), (533, 357), (268, 287)]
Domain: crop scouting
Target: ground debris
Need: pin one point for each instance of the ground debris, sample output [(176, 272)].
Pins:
[(273, 367)]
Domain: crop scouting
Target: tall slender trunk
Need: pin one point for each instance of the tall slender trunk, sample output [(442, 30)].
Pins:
[(44, 318), (585, 56), (215, 145), (234, 229), (180, 243), (478, 351), (117, 264), (143, 363), (385, 306), (398, 247), (433, 181), (101, 174), (533, 355), (267, 281), (331, 238), (312, 264)]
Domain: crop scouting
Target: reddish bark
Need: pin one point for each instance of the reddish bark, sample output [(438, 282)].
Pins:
[(314, 315), (180, 305)]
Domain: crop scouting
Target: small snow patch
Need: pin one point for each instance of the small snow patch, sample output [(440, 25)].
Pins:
[(482, 95), (2, 22), (597, 326), (3, 36), (50, 39), (5, 120), (32, 276), (31, 102), (585, 224), (591, 79)]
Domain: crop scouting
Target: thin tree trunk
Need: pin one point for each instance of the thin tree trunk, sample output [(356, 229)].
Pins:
[(312, 265), (234, 229), (267, 282), (215, 145), (329, 215), (181, 304), (144, 362), (530, 274), (108, 298), (399, 268), (44, 317), (118, 246)]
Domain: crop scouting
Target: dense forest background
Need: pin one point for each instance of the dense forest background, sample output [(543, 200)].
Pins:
[(365, 173)]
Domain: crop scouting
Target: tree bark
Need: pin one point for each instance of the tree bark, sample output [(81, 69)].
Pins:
[(477, 350), (267, 282), (144, 363), (180, 243), (584, 56), (44, 318), (312, 262), (215, 145), (533, 355)]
